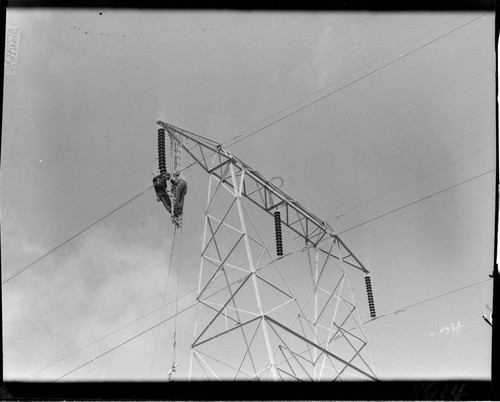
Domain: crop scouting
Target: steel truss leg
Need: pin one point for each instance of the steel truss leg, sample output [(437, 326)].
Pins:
[(305, 350), (252, 269)]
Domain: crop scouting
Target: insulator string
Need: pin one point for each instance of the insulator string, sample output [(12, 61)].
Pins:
[(369, 292), (279, 234), (162, 163)]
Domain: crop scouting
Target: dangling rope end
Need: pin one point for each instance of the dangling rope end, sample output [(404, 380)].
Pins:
[(172, 369)]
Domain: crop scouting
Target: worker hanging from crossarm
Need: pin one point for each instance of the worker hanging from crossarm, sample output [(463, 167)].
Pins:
[(160, 185), (179, 189)]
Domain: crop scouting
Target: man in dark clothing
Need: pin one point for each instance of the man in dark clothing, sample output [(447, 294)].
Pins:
[(160, 185)]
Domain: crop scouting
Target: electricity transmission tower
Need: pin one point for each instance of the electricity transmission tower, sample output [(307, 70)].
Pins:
[(263, 316)]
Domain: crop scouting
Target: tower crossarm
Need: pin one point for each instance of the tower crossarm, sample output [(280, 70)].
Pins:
[(215, 160)]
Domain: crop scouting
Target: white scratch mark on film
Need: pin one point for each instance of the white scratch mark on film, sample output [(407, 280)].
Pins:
[(11, 49)]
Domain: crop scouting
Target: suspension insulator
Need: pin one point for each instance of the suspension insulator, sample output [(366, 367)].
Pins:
[(162, 162), (279, 238), (369, 292)]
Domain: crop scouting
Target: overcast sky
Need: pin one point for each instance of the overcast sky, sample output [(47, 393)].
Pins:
[(79, 139)]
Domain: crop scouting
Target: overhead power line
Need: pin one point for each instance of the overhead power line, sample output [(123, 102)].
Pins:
[(397, 209), (241, 139), (402, 309), (356, 80), (325, 87), (136, 196), (109, 334), (143, 332), (141, 317), (127, 341), (394, 312), (147, 314), (72, 237), (406, 184), (175, 300), (416, 201), (397, 311)]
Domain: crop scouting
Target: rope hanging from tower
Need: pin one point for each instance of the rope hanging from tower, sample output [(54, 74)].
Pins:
[(174, 344), (173, 200)]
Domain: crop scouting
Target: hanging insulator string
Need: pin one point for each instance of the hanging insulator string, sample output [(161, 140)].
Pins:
[(369, 292), (279, 235), (162, 163)]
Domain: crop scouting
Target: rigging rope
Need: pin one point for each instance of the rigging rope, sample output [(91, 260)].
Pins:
[(163, 304), (172, 369)]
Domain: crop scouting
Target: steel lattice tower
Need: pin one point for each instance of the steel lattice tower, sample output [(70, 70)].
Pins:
[(262, 317)]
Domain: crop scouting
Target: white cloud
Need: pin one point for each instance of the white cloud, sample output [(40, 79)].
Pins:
[(51, 310)]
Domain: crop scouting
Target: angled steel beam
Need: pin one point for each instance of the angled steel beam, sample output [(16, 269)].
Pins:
[(214, 159), (296, 334)]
